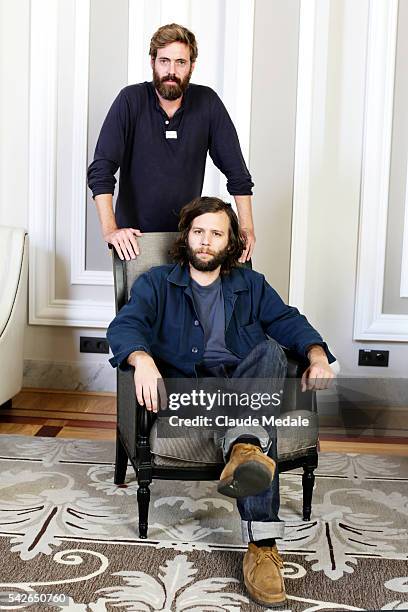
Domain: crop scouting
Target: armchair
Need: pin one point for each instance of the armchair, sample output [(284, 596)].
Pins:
[(13, 309), (192, 459)]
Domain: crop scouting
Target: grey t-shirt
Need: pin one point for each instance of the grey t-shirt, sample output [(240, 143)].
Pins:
[(209, 304)]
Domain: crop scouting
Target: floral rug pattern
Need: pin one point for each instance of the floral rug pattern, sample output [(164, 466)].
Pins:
[(58, 504)]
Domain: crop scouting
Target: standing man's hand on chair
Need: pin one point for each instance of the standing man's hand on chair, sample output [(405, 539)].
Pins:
[(146, 377), (123, 240)]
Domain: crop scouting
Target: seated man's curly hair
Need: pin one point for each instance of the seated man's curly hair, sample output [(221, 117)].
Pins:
[(201, 206)]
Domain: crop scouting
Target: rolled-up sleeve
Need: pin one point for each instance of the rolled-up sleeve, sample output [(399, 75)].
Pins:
[(110, 148), (225, 150)]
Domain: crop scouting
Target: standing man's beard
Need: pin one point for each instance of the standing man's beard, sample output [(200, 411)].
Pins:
[(170, 92), (209, 265)]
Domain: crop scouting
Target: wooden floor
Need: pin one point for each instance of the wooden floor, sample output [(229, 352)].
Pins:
[(61, 414), (92, 416)]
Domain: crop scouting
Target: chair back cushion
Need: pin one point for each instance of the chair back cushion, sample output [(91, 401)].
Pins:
[(154, 249)]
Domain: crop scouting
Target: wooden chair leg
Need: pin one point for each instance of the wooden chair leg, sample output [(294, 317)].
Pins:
[(308, 480), (143, 500), (120, 462)]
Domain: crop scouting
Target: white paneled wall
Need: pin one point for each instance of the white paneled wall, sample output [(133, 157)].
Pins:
[(348, 187), (43, 121)]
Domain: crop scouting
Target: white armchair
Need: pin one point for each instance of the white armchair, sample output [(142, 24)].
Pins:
[(13, 309)]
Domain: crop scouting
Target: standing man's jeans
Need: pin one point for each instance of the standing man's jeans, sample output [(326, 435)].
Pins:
[(259, 513)]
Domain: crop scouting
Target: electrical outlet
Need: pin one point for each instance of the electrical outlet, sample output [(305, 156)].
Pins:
[(369, 357), (89, 344)]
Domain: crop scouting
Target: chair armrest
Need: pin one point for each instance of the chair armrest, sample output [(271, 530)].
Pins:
[(134, 421), (296, 363), (293, 397)]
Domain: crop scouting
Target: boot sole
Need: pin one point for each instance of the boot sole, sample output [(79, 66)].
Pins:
[(249, 478), (279, 605)]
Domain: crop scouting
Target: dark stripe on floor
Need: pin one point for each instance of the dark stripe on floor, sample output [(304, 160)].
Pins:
[(48, 431)]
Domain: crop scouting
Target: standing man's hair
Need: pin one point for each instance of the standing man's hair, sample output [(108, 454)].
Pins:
[(170, 33), (201, 206)]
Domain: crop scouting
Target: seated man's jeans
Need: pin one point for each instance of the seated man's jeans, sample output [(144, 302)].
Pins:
[(259, 513)]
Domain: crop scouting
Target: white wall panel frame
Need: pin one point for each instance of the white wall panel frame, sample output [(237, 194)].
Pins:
[(79, 274), (42, 152), (44, 307), (370, 323), (237, 78), (310, 119), (404, 262)]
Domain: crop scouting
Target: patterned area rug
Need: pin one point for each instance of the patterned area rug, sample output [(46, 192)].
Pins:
[(69, 535)]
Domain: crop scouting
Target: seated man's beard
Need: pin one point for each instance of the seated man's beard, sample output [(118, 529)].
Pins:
[(170, 92), (209, 265)]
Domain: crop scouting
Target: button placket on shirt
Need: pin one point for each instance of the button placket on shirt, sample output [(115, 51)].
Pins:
[(195, 349)]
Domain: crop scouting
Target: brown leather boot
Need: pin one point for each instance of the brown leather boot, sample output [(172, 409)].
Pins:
[(247, 472), (262, 575)]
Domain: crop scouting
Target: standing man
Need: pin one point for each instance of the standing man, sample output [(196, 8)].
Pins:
[(158, 133)]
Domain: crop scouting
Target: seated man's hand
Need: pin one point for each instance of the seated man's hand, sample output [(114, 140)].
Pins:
[(146, 377), (124, 241), (319, 374)]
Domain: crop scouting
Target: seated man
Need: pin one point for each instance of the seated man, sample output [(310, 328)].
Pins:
[(204, 316)]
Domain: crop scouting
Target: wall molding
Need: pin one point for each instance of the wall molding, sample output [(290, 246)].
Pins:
[(404, 261), (79, 274), (44, 307), (237, 80), (311, 95), (370, 323)]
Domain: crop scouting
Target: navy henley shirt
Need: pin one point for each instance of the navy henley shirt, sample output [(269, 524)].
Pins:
[(159, 175)]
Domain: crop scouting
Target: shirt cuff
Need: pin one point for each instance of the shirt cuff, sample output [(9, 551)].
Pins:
[(120, 360), (324, 346), (102, 191)]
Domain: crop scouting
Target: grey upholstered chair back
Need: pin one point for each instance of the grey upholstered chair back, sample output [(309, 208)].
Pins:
[(154, 249)]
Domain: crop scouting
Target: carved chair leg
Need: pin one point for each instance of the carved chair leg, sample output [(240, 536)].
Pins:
[(308, 480), (120, 462), (143, 500)]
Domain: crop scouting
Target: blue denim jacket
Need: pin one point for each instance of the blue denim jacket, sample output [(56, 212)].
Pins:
[(160, 319)]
